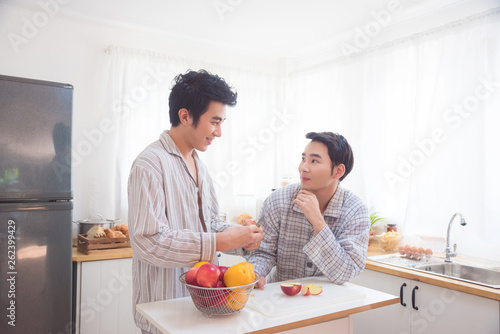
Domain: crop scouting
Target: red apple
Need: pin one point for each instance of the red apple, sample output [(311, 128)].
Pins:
[(211, 298), (220, 284), (191, 276), (215, 297), (208, 275), (223, 270), (291, 289), (219, 297)]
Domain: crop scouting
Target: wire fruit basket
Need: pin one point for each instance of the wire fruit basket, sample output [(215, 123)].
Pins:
[(219, 301)]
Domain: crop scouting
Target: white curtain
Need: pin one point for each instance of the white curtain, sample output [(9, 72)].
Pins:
[(137, 86), (421, 115)]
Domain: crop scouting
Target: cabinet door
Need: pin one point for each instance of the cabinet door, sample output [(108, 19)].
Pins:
[(389, 319), (435, 310), (442, 310), (106, 298)]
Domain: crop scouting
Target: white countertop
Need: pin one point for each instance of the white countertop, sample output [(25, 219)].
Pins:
[(268, 310)]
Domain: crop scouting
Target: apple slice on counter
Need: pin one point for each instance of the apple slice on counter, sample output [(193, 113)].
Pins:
[(311, 289), (291, 289)]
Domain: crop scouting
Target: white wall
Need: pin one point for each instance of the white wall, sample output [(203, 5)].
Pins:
[(70, 49)]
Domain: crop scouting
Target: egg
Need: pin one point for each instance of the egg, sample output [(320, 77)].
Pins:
[(428, 251), (401, 250)]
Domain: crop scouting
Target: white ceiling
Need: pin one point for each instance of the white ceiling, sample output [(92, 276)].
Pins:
[(263, 28), (275, 27)]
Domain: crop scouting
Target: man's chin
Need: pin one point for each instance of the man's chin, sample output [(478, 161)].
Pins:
[(304, 186), (201, 148)]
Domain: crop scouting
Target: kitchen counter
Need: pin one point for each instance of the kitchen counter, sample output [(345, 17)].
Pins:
[(104, 254), (444, 282), (270, 311), (374, 249)]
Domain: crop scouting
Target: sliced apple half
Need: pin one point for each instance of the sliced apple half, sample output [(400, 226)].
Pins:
[(291, 289), (311, 289)]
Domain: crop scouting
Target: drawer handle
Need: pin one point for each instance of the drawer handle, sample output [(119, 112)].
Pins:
[(401, 294), (413, 298)]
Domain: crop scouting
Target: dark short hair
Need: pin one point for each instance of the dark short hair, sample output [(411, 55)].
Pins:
[(194, 91), (339, 150)]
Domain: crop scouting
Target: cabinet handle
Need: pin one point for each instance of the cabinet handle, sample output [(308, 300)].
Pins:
[(401, 294), (413, 298)]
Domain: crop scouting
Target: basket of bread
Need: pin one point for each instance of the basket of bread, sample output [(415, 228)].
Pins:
[(99, 238)]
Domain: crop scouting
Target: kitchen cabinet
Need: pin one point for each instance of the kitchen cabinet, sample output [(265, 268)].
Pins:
[(103, 298), (425, 308)]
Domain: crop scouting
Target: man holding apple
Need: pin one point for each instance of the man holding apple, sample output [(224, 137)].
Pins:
[(173, 211), (315, 227)]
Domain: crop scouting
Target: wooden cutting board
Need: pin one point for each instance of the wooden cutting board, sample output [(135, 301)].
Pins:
[(272, 302)]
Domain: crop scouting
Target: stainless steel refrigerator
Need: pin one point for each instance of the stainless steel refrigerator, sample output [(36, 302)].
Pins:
[(35, 206)]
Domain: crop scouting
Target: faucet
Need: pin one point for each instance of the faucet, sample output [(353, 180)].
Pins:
[(449, 253)]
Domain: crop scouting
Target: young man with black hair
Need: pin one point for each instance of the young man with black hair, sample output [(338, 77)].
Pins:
[(315, 227), (173, 212)]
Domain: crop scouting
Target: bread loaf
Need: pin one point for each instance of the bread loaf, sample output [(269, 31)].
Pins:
[(121, 228), (96, 232)]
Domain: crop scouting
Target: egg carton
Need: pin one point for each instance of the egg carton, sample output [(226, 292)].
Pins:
[(399, 260)]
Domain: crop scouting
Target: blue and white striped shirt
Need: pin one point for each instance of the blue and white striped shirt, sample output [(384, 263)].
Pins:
[(338, 251)]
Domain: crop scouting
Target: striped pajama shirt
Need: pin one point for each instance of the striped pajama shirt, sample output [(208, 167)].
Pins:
[(166, 234)]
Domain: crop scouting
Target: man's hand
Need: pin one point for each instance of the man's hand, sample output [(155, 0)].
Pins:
[(260, 284), (309, 204), (248, 237)]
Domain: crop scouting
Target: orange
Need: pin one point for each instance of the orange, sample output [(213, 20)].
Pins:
[(236, 299), (199, 264), (250, 267), (239, 274)]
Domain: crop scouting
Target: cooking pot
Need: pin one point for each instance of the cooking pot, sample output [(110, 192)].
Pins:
[(85, 225)]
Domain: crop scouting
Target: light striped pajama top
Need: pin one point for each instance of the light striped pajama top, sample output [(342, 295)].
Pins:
[(166, 234)]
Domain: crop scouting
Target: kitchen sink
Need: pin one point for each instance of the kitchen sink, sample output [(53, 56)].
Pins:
[(477, 275)]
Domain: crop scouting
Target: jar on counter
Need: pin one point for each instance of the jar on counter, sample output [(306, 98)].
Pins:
[(392, 227)]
